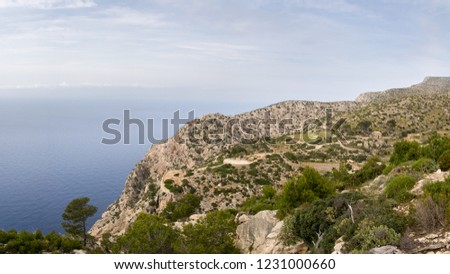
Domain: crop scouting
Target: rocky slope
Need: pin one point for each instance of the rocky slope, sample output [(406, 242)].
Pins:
[(429, 86), (227, 159)]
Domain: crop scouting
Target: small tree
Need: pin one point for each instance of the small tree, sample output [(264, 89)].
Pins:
[(182, 208), (75, 216), (212, 235), (405, 151), (398, 188), (149, 234), (444, 161)]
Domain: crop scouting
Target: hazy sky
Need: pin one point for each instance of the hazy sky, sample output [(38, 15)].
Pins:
[(262, 49)]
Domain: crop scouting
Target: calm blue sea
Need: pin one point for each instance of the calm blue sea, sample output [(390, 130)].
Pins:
[(51, 152)]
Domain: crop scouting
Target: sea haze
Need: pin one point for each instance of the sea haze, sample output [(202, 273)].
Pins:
[(51, 152)]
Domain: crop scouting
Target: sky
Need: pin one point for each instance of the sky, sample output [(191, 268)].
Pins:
[(262, 50)]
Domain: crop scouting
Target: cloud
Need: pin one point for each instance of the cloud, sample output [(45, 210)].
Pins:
[(128, 16), (220, 51), (47, 4), (325, 5)]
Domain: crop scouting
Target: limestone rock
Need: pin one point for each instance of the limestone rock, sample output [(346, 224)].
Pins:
[(438, 176), (377, 185), (388, 249), (338, 246), (260, 235)]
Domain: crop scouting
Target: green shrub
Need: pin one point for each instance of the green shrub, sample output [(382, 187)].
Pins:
[(256, 204), (398, 188), (440, 193), (369, 171), (388, 169), (213, 235), (405, 151), (261, 181), (26, 242), (444, 161), (269, 192), (182, 208), (319, 219), (306, 188), (225, 170), (290, 156), (170, 185), (341, 174), (149, 234), (237, 150), (381, 212), (369, 235), (189, 173), (425, 165), (436, 146)]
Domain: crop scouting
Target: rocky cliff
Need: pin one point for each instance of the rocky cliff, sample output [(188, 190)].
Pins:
[(251, 148)]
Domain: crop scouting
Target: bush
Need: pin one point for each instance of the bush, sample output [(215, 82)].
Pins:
[(182, 208), (26, 242), (405, 151), (213, 235), (381, 212), (225, 170), (429, 216), (369, 171), (318, 219), (444, 161), (440, 193), (437, 145), (425, 165), (170, 185), (291, 156), (398, 188), (369, 235), (306, 188), (256, 204), (388, 169), (149, 234)]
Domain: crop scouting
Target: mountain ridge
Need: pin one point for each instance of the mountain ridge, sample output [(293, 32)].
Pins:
[(430, 85), (190, 157)]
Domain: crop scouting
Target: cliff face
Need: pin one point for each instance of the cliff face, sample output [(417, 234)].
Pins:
[(196, 158), (195, 144)]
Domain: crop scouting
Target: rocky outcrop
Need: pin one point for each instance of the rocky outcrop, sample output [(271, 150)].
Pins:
[(388, 249), (259, 234), (438, 176), (377, 185), (339, 246), (432, 243), (193, 219)]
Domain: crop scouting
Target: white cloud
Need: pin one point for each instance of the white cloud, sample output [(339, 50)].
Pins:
[(330, 6), (47, 4), (220, 51), (130, 16)]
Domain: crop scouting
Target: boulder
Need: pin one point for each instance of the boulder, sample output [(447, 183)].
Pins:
[(338, 246), (388, 249), (259, 234), (377, 185), (438, 176)]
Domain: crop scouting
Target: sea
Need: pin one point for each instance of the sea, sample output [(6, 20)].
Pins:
[(51, 149)]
